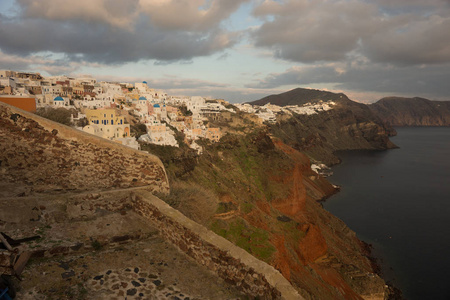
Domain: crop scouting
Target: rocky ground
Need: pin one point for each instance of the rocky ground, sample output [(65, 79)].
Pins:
[(146, 269)]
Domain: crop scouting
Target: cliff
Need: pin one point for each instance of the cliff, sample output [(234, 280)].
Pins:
[(397, 111), (347, 126), (252, 189), (265, 200)]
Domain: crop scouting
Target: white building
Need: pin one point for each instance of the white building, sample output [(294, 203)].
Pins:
[(159, 135), (60, 102), (52, 89), (195, 104)]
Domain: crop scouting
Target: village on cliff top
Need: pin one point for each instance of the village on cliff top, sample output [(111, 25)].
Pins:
[(105, 108)]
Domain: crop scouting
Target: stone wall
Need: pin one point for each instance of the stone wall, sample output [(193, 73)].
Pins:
[(70, 223), (38, 155), (233, 264), (55, 216), (38, 211)]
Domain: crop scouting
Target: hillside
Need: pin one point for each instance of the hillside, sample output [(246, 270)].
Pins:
[(72, 191), (299, 96), (250, 188), (41, 156), (348, 126), (262, 195), (397, 111)]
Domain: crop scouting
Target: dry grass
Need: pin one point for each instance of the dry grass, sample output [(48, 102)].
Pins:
[(194, 201)]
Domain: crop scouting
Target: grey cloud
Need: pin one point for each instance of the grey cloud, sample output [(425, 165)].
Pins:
[(45, 63), (118, 13), (429, 81), (168, 82), (175, 85), (397, 32), (101, 43), (113, 32), (422, 42), (184, 15), (190, 15), (238, 96), (233, 95), (310, 31), (165, 62)]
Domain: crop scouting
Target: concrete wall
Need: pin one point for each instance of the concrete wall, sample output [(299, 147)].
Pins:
[(233, 264)]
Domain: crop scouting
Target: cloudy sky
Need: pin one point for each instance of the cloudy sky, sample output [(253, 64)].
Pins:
[(239, 50)]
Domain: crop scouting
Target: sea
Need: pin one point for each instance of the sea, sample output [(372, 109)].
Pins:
[(399, 202)]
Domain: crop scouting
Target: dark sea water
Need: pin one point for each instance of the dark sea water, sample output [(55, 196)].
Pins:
[(399, 201)]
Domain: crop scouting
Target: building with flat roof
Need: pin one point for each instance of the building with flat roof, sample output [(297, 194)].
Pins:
[(22, 102)]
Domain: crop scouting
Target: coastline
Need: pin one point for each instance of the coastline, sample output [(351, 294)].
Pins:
[(394, 293), (398, 202)]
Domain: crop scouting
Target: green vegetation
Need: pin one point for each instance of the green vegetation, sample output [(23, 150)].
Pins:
[(231, 176), (184, 111), (291, 230), (247, 207), (253, 240), (96, 245), (138, 129), (82, 122), (178, 162), (243, 166), (60, 115)]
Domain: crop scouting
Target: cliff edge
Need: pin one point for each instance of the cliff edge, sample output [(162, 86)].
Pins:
[(397, 111), (348, 125)]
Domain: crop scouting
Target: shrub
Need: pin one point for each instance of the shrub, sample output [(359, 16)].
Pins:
[(96, 245), (60, 115), (138, 129)]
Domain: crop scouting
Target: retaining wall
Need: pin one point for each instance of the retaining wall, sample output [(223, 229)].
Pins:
[(254, 277), (39, 155)]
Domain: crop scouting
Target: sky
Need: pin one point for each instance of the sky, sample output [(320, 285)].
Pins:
[(238, 50)]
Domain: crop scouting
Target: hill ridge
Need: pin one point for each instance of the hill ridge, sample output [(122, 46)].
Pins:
[(415, 111)]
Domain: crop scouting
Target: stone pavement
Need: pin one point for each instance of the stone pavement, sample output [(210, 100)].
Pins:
[(147, 269)]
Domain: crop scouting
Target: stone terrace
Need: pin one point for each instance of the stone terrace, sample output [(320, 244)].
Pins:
[(93, 245), (149, 268)]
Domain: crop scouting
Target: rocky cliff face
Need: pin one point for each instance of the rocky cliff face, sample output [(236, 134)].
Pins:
[(265, 191), (348, 126), (267, 204), (398, 111)]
